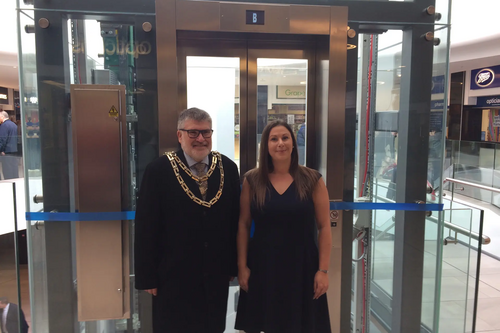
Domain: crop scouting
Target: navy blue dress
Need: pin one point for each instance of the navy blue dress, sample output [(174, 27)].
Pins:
[(283, 258)]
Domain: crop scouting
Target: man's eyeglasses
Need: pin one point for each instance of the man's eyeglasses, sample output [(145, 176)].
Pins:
[(193, 134)]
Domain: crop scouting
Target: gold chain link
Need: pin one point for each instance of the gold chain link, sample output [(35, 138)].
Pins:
[(174, 161)]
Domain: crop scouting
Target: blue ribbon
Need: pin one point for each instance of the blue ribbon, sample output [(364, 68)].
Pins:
[(102, 216), (130, 215)]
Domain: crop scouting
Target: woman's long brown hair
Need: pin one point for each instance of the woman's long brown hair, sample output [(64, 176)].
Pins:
[(258, 178)]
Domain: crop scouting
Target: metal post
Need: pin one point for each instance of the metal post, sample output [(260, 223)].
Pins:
[(413, 145)]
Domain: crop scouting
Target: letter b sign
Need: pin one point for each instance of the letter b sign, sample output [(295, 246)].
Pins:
[(255, 17)]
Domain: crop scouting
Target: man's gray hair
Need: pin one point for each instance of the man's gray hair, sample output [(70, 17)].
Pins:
[(194, 114), (4, 114)]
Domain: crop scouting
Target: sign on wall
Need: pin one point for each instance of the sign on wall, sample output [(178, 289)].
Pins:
[(437, 105), (4, 96), (438, 84), (485, 78), (488, 101), (291, 92)]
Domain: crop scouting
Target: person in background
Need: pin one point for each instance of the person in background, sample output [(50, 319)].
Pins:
[(301, 144), (10, 317), (19, 138), (283, 268), (185, 231), (8, 146)]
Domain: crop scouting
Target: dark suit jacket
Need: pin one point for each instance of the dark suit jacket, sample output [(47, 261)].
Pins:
[(12, 320), (8, 137), (185, 250)]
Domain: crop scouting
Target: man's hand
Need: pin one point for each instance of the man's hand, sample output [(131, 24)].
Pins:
[(152, 291)]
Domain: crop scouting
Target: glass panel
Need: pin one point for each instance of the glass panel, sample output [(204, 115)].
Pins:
[(282, 94), (459, 267), (474, 162), (213, 84), (388, 83), (33, 175), (382, 270), (99, 53), (434, 224), (496, 177)]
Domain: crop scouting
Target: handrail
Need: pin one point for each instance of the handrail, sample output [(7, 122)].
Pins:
[(482, 187), (485, 239)]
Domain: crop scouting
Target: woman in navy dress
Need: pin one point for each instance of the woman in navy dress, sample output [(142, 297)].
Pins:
[(283, 268)]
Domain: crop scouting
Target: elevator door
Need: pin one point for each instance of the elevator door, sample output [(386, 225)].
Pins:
[(244, 85)]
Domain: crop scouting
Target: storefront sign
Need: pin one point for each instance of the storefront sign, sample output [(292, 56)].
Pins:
[(485, 78), (437, 105), (291, 92), (488, 101)]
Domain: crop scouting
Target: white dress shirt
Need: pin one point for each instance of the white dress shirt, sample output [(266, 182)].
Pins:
[(4, 318), (191, 162)]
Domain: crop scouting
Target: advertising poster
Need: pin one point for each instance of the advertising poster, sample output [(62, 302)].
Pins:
[(493, 129)]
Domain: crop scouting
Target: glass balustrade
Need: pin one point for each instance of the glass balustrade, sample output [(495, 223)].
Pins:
[(475, 162)]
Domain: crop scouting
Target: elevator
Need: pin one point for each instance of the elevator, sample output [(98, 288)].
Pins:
[(244, 63), (256, 63)]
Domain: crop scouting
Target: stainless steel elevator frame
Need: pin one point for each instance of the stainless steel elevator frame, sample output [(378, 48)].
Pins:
[(330, 111)]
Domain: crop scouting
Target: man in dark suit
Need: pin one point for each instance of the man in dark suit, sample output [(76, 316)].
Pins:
[(185, 231), (8, 146), (10, 317)]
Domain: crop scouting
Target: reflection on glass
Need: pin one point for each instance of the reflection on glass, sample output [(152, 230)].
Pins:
[(282, 94), (387, 107), (28, 99), (213, 84)]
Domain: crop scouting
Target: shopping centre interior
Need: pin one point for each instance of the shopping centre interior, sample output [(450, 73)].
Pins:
[(357, 136)]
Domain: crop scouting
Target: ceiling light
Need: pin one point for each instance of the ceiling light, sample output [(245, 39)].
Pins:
[(302, 82)]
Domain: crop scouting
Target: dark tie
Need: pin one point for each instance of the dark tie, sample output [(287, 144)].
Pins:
[(200, 168)]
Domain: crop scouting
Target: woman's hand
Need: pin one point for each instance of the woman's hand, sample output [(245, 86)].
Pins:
[(153, 292), (320, 284), (243, 276)]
